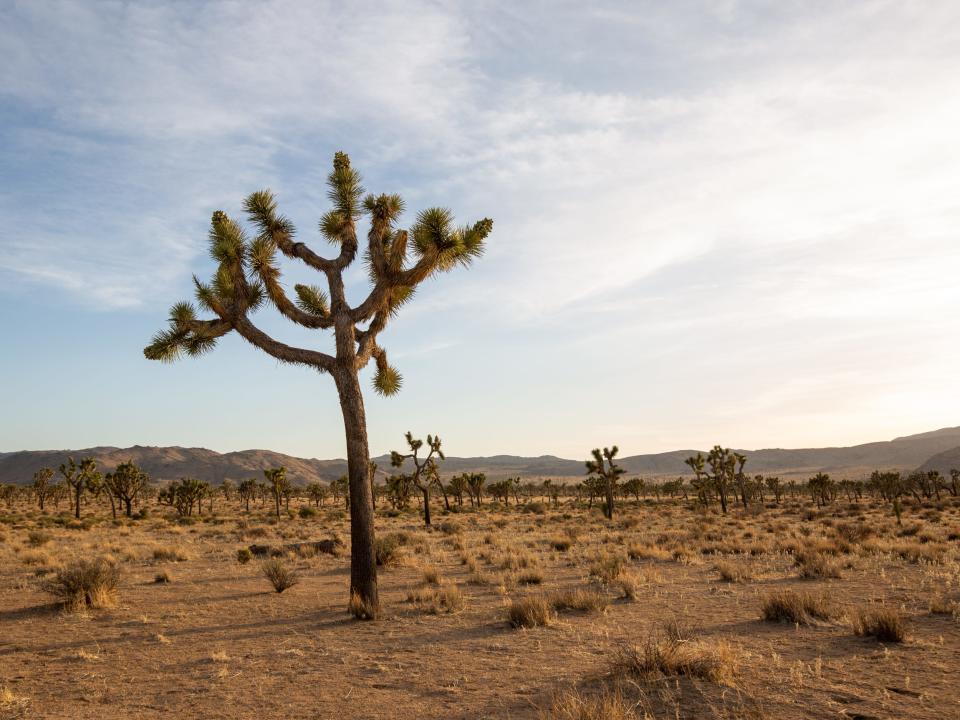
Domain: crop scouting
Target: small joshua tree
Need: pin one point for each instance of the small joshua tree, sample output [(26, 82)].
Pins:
[(247, 490), (79, 478), (248, 275), (424, 471), (126, 484), (603, 466), (278, 484), (43, 489)]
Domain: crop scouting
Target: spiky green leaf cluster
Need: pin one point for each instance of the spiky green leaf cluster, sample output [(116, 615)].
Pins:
[(312, 299), (387, 380), (435, 236)]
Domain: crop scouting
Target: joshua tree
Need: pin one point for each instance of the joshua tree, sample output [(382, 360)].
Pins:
[(317, 493), (247, 490), (42, 488), (126, 483), (248, 274), (79, 478), (278, 484), (723, 470), (424, 471), (609, 473)]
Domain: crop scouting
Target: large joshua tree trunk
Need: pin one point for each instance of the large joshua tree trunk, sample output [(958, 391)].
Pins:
[(363, 558)]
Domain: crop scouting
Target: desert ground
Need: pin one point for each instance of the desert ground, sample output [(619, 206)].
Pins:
[(669, 610)]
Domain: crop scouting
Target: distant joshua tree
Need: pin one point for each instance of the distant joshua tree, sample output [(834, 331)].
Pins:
[(248, 274), (424, 470), (42, 487), (278, 484), (247, 490), (126, 484), (79, 478), (608, 473)]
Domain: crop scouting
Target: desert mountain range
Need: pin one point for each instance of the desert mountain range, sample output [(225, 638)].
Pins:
[(939, 449)]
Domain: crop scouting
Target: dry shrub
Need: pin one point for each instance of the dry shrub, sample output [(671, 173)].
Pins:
[(449, 527), (169, 554), (607, 568), (572, 705), (360, 609), (648, 552), (627, 584), (443, 599), (513, 560), (528, 577), (733, 572), (814, 565), (796, 607), (561, 544), (943, 605), (885, 624), (432, 576), (36, 538), (918, 553), (854, 532), (530, 612), (582, 600), (85, 583), (280, 576), (674, 657), (12, 707), (387, 548)]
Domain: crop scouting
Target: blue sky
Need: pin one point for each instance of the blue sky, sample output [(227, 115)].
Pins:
[(724, 222)]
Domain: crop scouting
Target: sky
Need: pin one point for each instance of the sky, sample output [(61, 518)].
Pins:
[(715, 222)]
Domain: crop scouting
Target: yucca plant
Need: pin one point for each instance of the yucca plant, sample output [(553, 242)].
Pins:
[(425, 472), (608, 472), (248, 275)]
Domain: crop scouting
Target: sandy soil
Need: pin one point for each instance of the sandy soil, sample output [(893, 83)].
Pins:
[(217, 641)]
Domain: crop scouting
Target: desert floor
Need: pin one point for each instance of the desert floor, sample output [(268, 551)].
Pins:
[(681, 635)]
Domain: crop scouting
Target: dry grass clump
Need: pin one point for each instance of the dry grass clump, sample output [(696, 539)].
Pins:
[(387, 548), (85, 584), (169, 554), (514, 560), (733, 572), (561, 544), (648, 552), (885, 624), (675, 657), (432, 576), (436, 600), (608, 568), (360, 609), (280, 576), (582, 600), (815, 565), (796, 607), (943, 605), (572, 705), (36, 538), (530, 612), (12, 707), (528, 577)]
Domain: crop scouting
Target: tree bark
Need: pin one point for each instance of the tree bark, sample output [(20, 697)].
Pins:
[(363, 559)]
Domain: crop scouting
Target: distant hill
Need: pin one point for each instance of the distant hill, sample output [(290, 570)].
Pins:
[(170, 463), (944, 462)]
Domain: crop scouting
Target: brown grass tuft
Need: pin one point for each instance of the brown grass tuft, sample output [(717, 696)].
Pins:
[(85, 584), (797, 607), (530, 612)]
